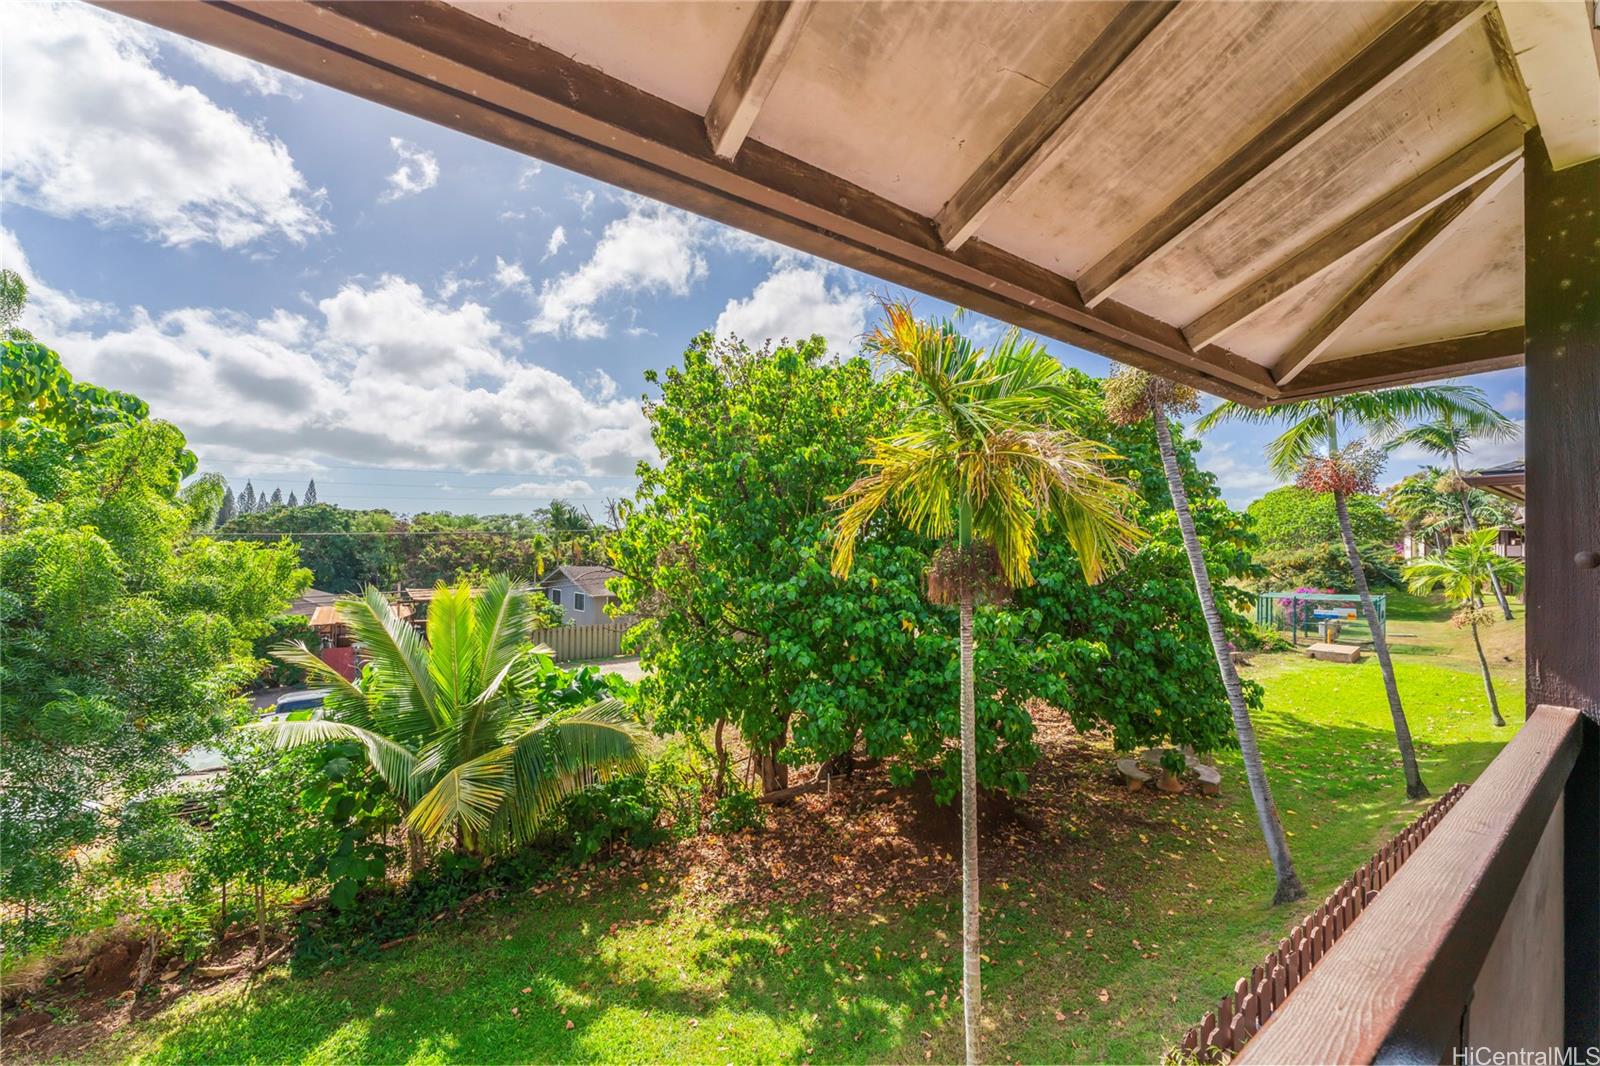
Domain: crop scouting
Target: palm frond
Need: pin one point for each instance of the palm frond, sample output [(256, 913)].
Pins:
[(344, 701), (466, 798), (452, 651), (393, 762), (554, 757), (397, 652), (504, 618)]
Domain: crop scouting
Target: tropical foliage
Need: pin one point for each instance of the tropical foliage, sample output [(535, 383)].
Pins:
[(1466, 572), (1295, 519), (476, 734)]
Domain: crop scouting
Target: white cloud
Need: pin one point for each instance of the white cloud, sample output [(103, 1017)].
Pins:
[(510, 275), (377, 373), (49, 311), (796, 302), (584, 200), (558, 237), (1240, 481), (233, 69), (651, 249), (92, 128), (1513, 402), (572, 487), (418, 171), (528, 173)]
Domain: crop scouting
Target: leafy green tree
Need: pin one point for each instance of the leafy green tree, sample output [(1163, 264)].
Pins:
[(260, 835), (1133, 396), (277, 498), (13, 298), (1322, 444), (1292, 519), (473, 730), (126, 639), (982, 460), (292, 502), (247, 499), (344, 549), (229, 508), (1466, 571), (1450, 436), (310, 496)]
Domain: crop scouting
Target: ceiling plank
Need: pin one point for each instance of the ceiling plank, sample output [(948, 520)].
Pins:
[(442, 64), (1419, 34), (1478, 161), (1478, 353), (768, 41), (1032, 142), (1555, 44), (1390, 271)]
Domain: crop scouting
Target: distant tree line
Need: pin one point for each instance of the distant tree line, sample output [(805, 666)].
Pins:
[(347, 549)]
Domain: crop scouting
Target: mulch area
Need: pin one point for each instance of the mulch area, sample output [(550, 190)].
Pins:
[(861, 842)]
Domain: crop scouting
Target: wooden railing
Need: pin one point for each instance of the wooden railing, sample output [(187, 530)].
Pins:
[(1399, 984), (1240, 1014)]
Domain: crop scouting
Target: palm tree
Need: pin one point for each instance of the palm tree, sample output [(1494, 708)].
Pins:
[(1464, 571), (983, 458), (456, 725), (1450, 436), (1131, 396), (1310, 447)]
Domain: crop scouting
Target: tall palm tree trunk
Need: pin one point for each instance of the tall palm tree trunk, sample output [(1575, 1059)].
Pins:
[(1472, 527), (971, 988), (1289, 886), (1415, 789), (1488, 682)]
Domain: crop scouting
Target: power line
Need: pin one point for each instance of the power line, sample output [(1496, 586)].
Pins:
[(413, 533)]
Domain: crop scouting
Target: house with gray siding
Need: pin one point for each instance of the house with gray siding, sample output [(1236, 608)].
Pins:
[(580, 592)]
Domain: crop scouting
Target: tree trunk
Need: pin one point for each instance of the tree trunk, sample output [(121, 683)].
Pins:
[(1415, 789), (415, 858), (1289, 886), (261, 920), (1472, 527), (720, 781), (222, 917), (1488, 682), (971, 982)]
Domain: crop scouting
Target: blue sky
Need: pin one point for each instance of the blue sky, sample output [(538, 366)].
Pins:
[(312, 285)]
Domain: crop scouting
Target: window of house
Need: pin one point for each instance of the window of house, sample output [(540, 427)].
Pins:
[(555, 597), (578, 601)]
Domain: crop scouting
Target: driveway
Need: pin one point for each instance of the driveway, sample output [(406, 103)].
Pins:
[(627, 668)]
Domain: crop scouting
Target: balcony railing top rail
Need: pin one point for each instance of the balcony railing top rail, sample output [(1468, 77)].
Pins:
[(1396, 985)]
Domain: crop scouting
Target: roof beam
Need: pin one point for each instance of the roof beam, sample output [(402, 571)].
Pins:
[(768, 41), (1419, 34), (1033, 141), (1400, 207), (1477, 353), (1557, 49), (1389, 272)]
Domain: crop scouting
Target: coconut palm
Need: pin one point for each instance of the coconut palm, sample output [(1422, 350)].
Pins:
[(1465, 571), (983, 462), (1449, 437), (1131, 396), (474, 749), (1334, 444)]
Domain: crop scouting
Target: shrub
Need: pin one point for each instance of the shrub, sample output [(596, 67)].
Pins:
[(1328, 567), (737, 811), (1296, 519), (624, 809)]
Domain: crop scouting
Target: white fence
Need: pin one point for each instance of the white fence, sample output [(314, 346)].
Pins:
[(570, 643)]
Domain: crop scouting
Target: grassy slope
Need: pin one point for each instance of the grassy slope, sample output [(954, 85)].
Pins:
[(1105, 966)]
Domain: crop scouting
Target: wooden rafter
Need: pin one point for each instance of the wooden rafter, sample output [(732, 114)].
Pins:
[(1476, 162), (1477, 353), (1033, 141), (1419, 34), (766, 45), (1395, 267), (1555, 47)]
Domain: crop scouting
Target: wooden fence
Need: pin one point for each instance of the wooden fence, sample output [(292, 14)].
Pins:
[(599, 641), (1239, 1015)]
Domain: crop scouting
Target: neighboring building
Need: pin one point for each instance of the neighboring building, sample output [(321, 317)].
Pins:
[(1511, 481), (580, 592), (310, 600)]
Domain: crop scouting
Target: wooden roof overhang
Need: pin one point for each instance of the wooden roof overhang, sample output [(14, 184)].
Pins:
[(1267, 200), (1510, 481)]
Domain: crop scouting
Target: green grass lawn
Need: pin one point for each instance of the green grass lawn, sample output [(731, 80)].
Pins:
[(1104, 950)]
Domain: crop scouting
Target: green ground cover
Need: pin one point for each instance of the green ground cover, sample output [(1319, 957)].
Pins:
[(1102, 950)]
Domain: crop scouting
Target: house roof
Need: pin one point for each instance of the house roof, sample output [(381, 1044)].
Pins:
[(591, 579), (1507, 479), (1266, 200), (308, 601)]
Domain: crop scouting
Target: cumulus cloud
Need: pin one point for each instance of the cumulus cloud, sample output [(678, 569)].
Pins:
[(379, 373), (233, 69), (651, 249), (1240, 481), (795, 302), (49, 311), (558, 238), (93, 129), (547, 489), (510, 275), (418, 171)]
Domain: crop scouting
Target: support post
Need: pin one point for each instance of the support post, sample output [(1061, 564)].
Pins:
[(1562, 278)]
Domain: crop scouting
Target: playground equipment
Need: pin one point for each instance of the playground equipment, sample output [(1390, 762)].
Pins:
[(1331, 617)]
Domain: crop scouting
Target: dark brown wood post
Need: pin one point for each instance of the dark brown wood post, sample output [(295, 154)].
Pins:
[(1562, 281)]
